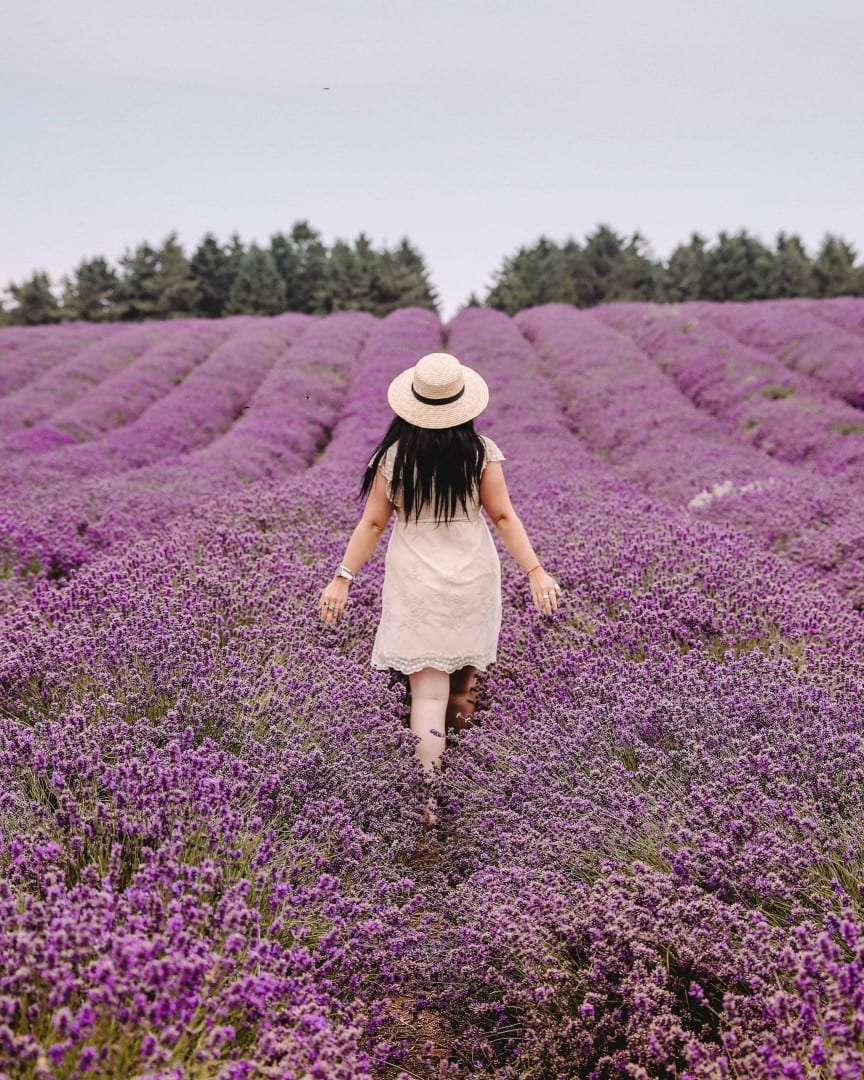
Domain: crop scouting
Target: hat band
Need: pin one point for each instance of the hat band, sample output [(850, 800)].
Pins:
[(437, 401)]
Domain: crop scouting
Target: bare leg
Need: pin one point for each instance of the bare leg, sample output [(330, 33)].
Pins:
[(462, 703), (430, 690)]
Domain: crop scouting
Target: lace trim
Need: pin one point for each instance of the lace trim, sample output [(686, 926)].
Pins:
[(449, 664)]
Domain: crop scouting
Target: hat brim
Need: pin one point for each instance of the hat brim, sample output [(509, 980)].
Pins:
[(402, 401)]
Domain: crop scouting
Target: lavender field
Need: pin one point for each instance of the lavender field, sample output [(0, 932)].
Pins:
[(650, 854)]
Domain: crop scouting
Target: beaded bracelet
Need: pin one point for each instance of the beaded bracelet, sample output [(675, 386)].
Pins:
[(533, 568)]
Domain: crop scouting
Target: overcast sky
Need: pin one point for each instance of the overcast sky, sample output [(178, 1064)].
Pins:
[(470, 126)]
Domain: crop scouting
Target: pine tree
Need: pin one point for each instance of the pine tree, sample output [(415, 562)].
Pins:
[(400, 280), (89, 293), (792, 271), (178, 294), (738, 267), (300, 259), (35, 303), (834, 268), (536, 275), (346, 284), (258, 288), (213, 270), (604, 253), (684, 270), (155, 283), (136, 296), (582, 280), (634, 275)]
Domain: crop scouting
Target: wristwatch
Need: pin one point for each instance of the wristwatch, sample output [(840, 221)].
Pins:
[(343, 571)]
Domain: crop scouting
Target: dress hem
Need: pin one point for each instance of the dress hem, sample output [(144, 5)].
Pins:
[(447, 664)]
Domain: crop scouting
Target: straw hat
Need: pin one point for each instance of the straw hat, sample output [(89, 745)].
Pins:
[(438, 392)]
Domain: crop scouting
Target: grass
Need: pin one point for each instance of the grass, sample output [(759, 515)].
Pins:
[(847, 427)]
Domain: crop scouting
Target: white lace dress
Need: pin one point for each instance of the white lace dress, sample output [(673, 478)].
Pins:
[(441, 598)]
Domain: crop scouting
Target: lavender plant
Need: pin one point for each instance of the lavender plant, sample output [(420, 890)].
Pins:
[(648, 861)]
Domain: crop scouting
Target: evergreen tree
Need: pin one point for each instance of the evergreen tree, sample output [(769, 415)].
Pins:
[(536, 275), (582, 285), (400, 280), (604, 254), (634, 275), (684, 270), (608, 267), (792, 271), (300, 259), (419, 290), (136, 296), (177, 289), (89, 293), (346, 284), (834, 268), (155, 283), (258, 288), (213, 270), (35, 303), (739, 267)]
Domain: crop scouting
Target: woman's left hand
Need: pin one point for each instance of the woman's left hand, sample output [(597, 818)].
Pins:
[(545, 590), (333, 598)]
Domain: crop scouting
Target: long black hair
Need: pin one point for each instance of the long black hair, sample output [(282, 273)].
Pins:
[(433, 466)]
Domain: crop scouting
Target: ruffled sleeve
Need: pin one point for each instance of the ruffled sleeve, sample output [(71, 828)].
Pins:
[(385, 465), (493, 453)]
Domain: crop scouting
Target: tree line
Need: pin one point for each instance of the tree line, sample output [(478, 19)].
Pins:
[(298, 272), (608, 266), (294, 272)]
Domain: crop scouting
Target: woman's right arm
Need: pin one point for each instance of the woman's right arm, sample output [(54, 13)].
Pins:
[(495, 500)]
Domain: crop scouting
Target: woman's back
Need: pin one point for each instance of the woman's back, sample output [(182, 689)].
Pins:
[(441, 600), (471, 511)]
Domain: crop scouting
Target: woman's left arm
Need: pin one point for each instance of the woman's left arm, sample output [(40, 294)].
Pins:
[(367, 532)]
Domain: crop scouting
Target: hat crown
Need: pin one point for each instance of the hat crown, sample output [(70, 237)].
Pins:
[(438, 392), (438, 375)]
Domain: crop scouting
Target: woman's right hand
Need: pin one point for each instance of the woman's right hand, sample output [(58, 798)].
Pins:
[(544, 590)]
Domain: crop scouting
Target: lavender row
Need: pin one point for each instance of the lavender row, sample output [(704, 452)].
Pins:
[(121, 397), (187, 417), (751, 392), (68, 380), (54, 532), (650, 822), (28, 352), (220, 802), (791, 331), (636, 418), (203, 674), (846, 312)]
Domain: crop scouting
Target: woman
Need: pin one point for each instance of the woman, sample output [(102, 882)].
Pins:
[(441, 598)]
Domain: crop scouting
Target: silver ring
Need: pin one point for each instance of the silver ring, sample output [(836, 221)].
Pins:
[(546, 595)]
